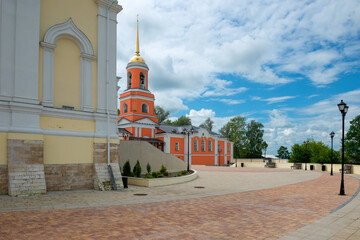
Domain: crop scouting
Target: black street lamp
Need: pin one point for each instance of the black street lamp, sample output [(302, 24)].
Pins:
[(306, 145), (343, 108), (187, 132), (332, 134)]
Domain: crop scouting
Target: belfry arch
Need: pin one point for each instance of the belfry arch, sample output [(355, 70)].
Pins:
[(70, 31)]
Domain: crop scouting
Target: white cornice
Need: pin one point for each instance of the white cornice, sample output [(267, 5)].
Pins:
[(108, 3)]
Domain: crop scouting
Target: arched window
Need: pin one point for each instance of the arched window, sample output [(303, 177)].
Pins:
[(177, 146), (196, 145), (144, 108), (203, 145), (125, 108), (210, 146), (142, 80), (129, 80)]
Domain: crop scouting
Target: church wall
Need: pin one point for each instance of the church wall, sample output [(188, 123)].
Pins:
[(146, 132), (66, 74), (67, 124)]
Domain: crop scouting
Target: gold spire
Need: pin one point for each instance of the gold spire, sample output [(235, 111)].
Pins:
[(137, 51), (137, 57)]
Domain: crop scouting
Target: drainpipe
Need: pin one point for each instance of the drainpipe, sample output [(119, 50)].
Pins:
[(107, 93)]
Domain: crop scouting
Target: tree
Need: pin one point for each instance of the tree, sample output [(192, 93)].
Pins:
[(181, 121), (208, 124), (264, 147), (254, 139), (235, 131), (352, 141), (283, 153), (161, 113), (297, 154)]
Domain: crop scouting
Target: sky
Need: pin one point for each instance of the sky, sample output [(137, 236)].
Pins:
[(284, 63)]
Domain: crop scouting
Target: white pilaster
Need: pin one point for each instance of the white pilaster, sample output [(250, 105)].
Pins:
[(86, 78), (48, 74)]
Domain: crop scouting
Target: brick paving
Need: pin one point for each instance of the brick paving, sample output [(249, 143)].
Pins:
[(260, 214)]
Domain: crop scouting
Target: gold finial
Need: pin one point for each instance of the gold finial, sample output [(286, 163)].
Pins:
[(137, 38)]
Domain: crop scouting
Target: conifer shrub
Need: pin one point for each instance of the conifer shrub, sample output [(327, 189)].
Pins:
[(148, 168), (163, 171), (137, 169), (126, 169)]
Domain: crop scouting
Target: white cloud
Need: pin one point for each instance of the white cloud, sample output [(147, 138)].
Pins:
[(227, 101), (220, 87), (198, 117), (273, 99)]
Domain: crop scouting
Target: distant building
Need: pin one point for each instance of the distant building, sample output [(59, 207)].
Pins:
[(137, 121)]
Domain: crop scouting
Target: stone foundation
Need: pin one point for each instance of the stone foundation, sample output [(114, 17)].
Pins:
[(3, 180), (60, 177), (102, 176), (26, 167)]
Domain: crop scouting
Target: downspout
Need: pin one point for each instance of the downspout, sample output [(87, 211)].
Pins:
[(107, 93)]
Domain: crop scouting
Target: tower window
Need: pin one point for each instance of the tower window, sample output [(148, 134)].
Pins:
[(142, 80), (125, 108), (129, 80), (196, 145), (176, 146), (144, 108)]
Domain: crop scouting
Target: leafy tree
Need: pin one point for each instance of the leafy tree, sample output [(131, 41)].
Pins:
[(208, 124), (352, 141), (235, 130), (283, 153), (264, 147), (297, 154), (181, 121), (161, 113), (254, 139), (314, 152)]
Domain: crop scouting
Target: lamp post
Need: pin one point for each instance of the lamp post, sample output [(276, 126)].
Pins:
[(187, 132), (332, 134), (306, 145), (343, 108)]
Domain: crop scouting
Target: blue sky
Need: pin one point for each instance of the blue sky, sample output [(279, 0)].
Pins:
[(286, 64)]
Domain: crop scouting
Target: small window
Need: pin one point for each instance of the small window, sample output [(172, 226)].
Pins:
[(142, 80), (144, 108), (203, 145), (210, 146), (176, 146), (228, 148), (129, 80), (125, 108), (219, 149), (196, 145)]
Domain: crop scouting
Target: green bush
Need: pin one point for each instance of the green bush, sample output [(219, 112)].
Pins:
[(148, 175), (126, 169), (137, 169), (183, 172), (148, 168), (163, 170), (155, 174)]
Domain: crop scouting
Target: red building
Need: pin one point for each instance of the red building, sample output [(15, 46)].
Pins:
[(137, 121)]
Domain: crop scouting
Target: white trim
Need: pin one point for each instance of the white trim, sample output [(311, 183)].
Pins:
[(136, 90), (70, 31), (136, 97)]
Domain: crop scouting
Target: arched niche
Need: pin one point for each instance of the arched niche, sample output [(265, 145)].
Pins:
[(67, 30)]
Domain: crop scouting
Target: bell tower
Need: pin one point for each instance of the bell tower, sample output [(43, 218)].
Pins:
[(137, 102)]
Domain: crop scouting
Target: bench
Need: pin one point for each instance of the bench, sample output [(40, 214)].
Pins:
[(296, 166), (347, 169), (270, 165)]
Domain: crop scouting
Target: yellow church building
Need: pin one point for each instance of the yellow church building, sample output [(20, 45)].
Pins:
[(58, 95)]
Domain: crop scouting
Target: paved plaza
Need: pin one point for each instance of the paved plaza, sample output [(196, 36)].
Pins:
[(222, 203)]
